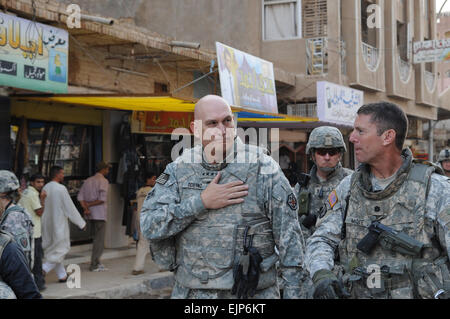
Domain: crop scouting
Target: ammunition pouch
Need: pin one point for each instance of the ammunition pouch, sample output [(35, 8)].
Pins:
[(383, 282), (304, 199)]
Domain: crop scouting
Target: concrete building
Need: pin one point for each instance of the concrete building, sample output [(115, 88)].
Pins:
[(443, 32), (363, 44)]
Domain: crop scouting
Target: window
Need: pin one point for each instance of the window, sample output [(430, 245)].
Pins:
[(314, 18), (281, 19), (447, 74), (369, 35), (403, 31), (161, 88)]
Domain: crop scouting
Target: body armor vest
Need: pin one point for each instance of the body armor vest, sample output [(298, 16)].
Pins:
[(401, 206), (320, 191), (318, 194), (213, 243), (22, 234), (5, 291)]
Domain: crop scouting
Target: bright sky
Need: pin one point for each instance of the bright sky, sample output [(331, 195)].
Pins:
[(439, 4)]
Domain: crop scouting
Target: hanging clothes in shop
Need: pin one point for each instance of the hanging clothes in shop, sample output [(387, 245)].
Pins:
[(128, 173)]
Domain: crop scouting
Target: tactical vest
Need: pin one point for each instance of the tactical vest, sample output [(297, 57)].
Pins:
[(213, 243), (23, 234), (5, 291), (401, 206), (317, 194)]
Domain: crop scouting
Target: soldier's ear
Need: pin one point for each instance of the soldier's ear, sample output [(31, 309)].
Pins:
[(388, 137)]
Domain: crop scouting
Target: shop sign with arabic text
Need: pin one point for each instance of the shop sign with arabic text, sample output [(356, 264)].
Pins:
[(432, 51), (338, 104), (33, 56), (160, 122)]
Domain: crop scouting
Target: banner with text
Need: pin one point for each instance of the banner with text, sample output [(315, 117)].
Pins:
[(245, 80), (33, 56), (160, 122), (432, 51), (338, 104)]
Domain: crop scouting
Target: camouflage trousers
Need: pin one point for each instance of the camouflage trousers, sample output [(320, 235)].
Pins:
[(6, 292), (180, 292)]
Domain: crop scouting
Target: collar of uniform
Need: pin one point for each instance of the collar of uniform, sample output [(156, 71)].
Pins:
[(365, 183), (242, 159), (315, 178)]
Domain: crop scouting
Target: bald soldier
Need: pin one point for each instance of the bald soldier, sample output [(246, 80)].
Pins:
[(217, 213)]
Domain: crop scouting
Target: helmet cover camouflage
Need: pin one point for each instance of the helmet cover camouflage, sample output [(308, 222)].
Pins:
[(444, 155), (325, 137), (8, 182)]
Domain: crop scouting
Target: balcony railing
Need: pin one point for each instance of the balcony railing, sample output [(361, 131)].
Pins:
[(303, 109), (371, 56), (430, 80), (317, 56), (404, 69)]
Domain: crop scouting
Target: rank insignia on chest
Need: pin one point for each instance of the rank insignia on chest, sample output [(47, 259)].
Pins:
[(163, 178), (332, 199), (292, 201)]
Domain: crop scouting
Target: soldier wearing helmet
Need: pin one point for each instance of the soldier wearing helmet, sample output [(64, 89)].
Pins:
[(444, 161), (13, 218), (325, 147)]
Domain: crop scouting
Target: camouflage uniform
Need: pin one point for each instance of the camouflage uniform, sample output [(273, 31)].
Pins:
[(202, 245), (16, 220), (403, 205), (313, 197), (5, 291), (444, 155)]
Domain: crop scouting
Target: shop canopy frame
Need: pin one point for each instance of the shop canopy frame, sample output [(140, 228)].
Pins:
[(167, 103)]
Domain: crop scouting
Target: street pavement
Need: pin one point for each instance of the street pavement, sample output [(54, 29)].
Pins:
[(115, 283)]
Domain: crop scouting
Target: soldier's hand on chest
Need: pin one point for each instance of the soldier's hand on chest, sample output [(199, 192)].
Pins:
[(217, 195)]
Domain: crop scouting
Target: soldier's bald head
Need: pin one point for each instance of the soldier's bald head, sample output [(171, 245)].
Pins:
[(210, 103)]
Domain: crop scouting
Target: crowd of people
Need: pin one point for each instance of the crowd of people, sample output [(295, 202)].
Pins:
[(35, 234)]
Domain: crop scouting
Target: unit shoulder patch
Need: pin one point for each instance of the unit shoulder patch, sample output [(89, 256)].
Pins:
[(333, 198), (163, 178), (292, 201)]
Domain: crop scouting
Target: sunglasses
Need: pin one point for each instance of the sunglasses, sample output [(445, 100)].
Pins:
[(329, 151)]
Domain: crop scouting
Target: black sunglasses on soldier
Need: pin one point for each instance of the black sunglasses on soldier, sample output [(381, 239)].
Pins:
[(329, 151)]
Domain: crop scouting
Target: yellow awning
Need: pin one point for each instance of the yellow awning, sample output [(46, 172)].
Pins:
[(160, 104), (124, 103)]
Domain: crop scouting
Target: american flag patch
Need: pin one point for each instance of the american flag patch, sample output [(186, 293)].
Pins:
[(163, 178), (332, 199)]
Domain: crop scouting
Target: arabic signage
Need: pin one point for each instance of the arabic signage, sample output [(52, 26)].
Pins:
[(338, 104), (160, 122), (33, 56), (246, 80), (432, 51)]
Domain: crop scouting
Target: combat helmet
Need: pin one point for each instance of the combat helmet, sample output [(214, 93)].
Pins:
[(325, 137), (444, 155), (8, 182)]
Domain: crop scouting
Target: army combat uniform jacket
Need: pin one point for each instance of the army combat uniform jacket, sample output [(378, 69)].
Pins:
[(416, 203), (312, 200), (317, 192), (203, 245), (18, 222)]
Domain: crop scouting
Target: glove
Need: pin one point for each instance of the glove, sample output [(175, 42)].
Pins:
[(328, 286), (245, 283)]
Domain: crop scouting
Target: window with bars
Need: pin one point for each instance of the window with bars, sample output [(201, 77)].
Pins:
[(314, 16), (281, 19)]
